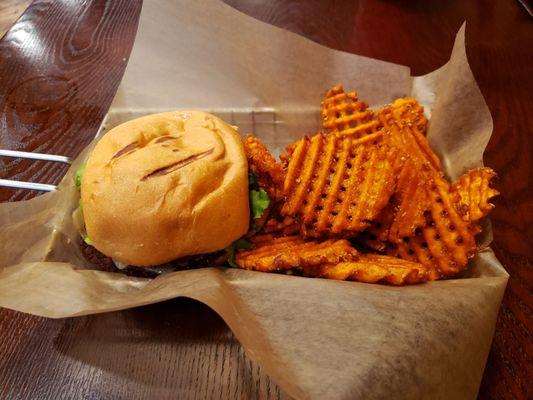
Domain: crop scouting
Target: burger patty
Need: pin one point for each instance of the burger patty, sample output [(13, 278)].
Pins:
[(105, 263)]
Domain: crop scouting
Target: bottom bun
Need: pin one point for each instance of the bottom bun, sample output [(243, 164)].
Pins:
[(104, 263)]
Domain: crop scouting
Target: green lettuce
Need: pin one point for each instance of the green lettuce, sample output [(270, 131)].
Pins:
[(242, 243), (259, 202), (79, 175)]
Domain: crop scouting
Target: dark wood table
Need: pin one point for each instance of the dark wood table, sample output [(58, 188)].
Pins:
[(60, 65)]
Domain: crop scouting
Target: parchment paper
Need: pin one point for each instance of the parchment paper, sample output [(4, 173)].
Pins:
[(317, 339)]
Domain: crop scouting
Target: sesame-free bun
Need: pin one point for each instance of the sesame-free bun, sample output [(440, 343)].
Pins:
[(166, 186)]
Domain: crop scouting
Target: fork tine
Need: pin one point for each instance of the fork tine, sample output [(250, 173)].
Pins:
[(27, 185), (32, 156), (35, 156), (43, 157)]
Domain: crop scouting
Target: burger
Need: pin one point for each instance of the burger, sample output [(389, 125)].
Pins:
[(162, 191)]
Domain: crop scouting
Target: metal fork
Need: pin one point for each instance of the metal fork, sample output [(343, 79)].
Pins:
[(41, 157), (32, 156)]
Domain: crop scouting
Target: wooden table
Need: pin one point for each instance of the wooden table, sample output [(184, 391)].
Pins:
[(180, 348)]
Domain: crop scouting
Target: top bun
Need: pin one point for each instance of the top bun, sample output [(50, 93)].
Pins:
[(166, 186)]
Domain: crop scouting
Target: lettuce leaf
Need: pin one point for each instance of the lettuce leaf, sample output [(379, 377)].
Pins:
[(259, 202), (79, 220), (242, 243), (79, 175)]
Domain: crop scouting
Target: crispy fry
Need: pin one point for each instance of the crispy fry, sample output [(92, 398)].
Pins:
[(286, 226), (475, 192), (411, 203), (405, 122), (332, 259), (344, 114), (411, 111), (423, 219), (446, 243), (269, 173), (371, 176), (377, 234), (373, 268), (404, 127), (337, 184), (427, 225), (407, 210), (288, 252), (286, 157)]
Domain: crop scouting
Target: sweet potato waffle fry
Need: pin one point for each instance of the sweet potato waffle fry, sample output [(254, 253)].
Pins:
[(475, 192), (337, 185), (406, 126), (286, 226), (269, 173), (293, 252), (371, 177), (428, 225), (332, 259), (447, 241), (344, 114), (410, 203), (374, 268)]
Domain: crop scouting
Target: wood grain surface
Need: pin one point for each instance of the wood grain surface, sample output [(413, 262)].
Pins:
[(59, 68), (10, 11)]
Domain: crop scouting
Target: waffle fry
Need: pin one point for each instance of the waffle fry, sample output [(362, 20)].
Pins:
[(286, 226), (411, 111), (331, 259), (412, 202), (408, 207), (447, 242), (286, 157), (373, 268), (344, 114), (372, 177), (377, 234), (269, 173), (292, 252), (475, 192), (406, 126), (337, 185)]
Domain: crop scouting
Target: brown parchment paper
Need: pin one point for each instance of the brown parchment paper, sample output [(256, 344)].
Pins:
[(317, 339)]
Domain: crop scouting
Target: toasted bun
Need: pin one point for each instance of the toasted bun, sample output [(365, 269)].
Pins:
[(166, 186)]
